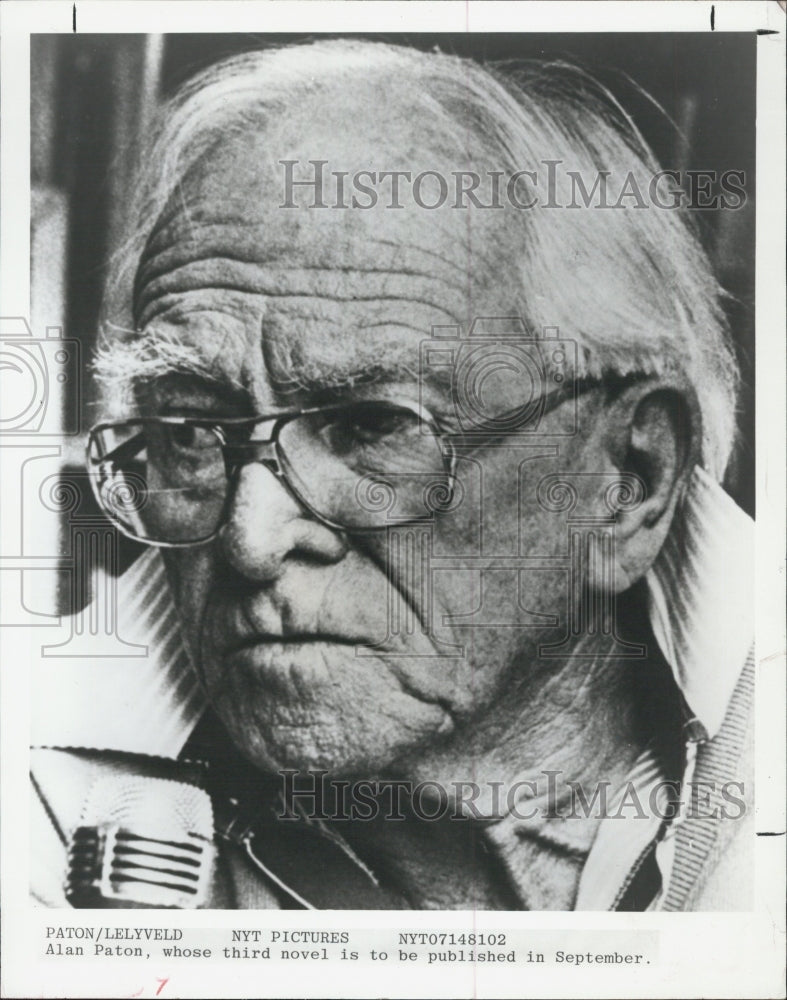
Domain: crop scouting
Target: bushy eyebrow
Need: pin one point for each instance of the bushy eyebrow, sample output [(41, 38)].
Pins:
[(336, 382), (122, 365), (294, 364)]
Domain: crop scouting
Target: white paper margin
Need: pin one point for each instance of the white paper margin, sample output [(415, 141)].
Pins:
[(709, 955)]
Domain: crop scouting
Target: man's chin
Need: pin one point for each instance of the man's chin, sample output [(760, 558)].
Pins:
[(274, 754), (346, 743), (316, 705)]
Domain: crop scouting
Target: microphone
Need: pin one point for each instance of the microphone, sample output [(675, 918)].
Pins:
[(142, 842)]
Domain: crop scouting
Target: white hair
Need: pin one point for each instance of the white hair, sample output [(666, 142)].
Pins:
[(633, 288)]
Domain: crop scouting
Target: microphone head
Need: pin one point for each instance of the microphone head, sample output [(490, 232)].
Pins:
[(141, 842)]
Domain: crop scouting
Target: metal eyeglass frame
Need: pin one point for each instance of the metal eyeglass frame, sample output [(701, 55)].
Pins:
[(268, 452)]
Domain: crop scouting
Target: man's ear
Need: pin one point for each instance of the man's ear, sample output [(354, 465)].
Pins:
[(653, 430)]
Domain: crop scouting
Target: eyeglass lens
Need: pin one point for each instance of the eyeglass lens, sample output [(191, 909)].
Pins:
[(361, 467)]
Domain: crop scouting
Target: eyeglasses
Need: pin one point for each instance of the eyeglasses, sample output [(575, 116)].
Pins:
[(169, 481)]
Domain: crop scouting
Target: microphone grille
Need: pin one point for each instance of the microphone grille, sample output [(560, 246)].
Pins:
[(142, 840), (156, 805)]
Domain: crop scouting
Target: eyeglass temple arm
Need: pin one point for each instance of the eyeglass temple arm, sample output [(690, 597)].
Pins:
[(573, 389), (546, 403)]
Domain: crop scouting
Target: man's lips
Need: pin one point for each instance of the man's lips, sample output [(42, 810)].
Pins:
[(292, 639), (249, 624)]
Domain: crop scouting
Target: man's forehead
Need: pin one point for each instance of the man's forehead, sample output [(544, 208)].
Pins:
[(261, 350), (317, 296), (335, 180)]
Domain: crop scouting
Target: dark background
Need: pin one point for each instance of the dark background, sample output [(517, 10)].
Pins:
[(93, 97)]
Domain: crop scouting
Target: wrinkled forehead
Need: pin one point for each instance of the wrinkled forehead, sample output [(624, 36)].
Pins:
[(247, 264)]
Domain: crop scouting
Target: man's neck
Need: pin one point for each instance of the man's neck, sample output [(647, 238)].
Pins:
[(584, 721)]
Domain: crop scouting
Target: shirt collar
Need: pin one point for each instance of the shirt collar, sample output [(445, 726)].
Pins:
[(702, 615), (700, 598)]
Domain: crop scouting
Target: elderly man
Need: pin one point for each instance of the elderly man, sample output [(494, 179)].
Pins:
[(423, 423)]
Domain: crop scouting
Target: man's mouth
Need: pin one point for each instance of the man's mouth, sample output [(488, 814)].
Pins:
[(293, 639)]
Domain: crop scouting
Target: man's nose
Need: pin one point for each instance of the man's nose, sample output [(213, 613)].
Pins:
[(267, 527)]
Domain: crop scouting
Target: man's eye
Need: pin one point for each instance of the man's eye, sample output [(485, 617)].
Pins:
[(374, 421), (373, 424), (183, 438)]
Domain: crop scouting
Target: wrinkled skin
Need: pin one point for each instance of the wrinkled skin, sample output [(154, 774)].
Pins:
[(279, 302)]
